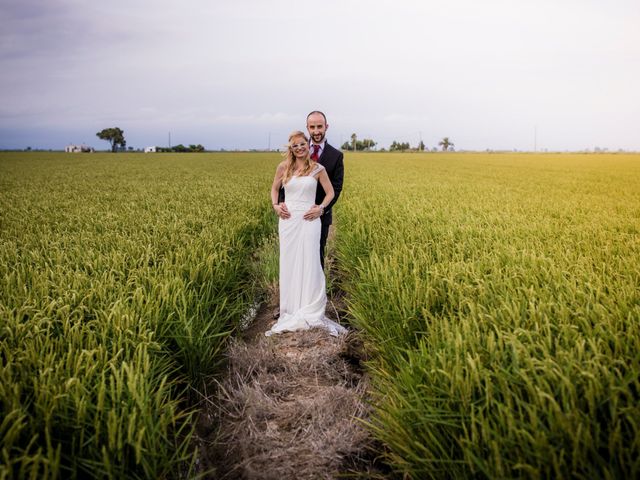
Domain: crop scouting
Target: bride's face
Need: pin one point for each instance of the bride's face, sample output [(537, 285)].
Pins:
[(299, 147)]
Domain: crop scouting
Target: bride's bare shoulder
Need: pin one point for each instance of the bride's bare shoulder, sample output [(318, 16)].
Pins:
[(317, 170), (282, 165)]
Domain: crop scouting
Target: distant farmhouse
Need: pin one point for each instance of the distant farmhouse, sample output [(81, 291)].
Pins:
[(149, 149), (78, 149)]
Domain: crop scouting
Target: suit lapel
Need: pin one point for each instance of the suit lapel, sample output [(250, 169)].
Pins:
[(324, 157)]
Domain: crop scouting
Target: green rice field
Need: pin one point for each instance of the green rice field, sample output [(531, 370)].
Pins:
[(121, 276), (498, 296), (501, 295)]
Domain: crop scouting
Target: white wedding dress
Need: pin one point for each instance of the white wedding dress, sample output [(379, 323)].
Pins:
[(303, 296)]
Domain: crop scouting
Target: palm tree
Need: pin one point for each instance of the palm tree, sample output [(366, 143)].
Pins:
[(445, 143), (354, 140)]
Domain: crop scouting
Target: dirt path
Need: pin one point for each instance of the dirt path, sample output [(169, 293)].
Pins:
[(289, 408)]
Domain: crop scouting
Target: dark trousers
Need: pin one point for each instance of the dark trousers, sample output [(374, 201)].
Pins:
[(324, 233)]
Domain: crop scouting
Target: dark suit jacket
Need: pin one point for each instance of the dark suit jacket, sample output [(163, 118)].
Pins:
[(333, 161)]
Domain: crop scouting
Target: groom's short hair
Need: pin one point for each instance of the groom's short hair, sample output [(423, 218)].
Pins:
[(318, 111)]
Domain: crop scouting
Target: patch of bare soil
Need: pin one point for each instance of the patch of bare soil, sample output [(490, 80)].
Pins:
[(290, 407)]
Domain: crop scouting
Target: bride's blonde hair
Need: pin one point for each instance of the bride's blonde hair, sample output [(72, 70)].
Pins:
[(290, 158)]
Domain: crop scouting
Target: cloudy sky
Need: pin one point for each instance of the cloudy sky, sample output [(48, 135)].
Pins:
[(499, 74)]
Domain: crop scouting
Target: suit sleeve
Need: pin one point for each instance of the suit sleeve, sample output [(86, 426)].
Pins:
[(336, 181)]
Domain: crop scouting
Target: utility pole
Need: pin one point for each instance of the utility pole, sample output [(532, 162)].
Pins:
[(169, 139), (269, 147)]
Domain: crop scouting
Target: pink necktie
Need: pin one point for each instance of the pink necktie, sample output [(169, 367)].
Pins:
[(316, 150)]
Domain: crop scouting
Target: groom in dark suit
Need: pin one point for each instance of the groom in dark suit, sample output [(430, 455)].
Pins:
[(332, 160)]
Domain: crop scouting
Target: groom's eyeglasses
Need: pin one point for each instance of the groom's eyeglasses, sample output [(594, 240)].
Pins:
[(299, 145)]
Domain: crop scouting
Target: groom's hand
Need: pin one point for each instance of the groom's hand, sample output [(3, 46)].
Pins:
[(313, 213)]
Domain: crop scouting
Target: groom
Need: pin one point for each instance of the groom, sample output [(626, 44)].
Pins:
[(332, 160)]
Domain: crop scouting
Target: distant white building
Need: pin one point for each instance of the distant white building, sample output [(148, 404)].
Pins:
[(149, 149), (78, 148)]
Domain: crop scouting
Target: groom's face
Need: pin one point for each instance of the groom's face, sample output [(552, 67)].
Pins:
[(317, 127)]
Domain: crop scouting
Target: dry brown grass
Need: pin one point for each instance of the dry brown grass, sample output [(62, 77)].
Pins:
[(290, 407)]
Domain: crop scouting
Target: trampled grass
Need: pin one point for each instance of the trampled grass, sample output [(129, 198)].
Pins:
[(500, 295), (121, 275)]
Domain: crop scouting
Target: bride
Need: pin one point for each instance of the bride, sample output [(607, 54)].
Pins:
[(302, 284)]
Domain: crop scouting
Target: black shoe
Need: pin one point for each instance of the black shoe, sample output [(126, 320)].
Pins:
[(276, 313)]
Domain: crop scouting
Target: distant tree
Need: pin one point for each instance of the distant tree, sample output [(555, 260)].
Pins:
[(180, 148), (115, 136), (445, 143), (397, 146), (366, 144), (354, 140), (421, 146)]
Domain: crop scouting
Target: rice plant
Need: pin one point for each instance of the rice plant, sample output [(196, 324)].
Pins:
[(500, 295), (121, 278)]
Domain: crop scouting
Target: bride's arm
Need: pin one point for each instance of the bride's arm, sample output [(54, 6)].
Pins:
[(317, 210), (280, 208), (329, 193)]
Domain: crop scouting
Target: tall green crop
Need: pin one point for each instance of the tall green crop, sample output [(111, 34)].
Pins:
[(121, 276), (500, 295)]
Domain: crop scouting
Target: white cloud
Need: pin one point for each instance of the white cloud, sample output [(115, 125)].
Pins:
[(483, 72)]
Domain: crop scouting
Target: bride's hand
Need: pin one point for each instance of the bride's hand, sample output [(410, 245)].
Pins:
[(313, 213), (282, 211)]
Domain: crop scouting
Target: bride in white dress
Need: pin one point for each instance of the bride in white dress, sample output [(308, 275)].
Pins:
[(303, 295)]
